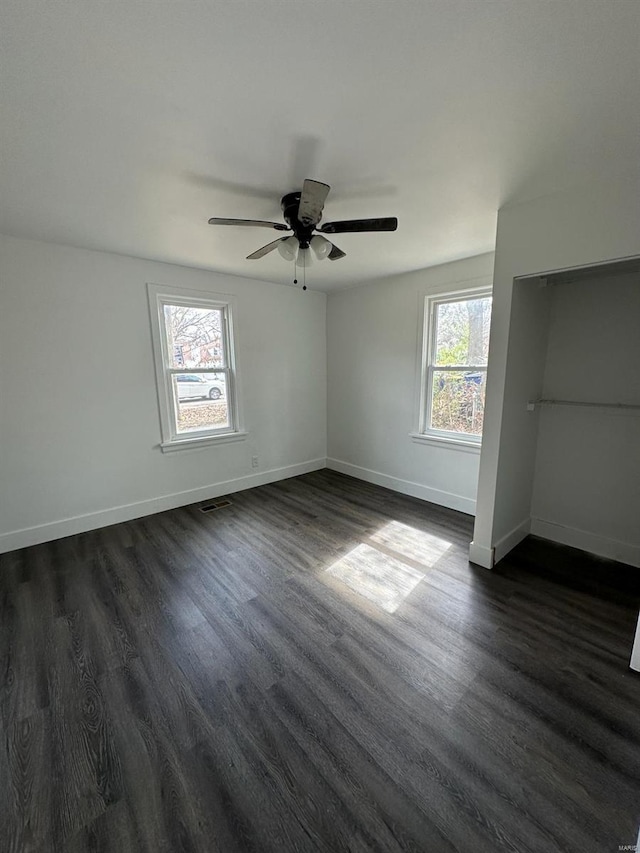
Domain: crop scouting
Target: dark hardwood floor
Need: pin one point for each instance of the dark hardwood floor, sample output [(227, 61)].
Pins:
[(315, 667)]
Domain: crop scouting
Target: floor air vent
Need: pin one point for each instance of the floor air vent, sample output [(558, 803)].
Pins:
[(214, 506)]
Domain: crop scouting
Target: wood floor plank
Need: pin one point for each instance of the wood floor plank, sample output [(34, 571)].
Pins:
[(24, 688), (153, 735), (28, 749), (86, 776), (395, 820), (314, 668)]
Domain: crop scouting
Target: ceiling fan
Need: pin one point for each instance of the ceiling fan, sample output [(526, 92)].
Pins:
[(302, 211)]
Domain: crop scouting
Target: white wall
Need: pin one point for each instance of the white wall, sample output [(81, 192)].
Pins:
[(79, 424), (587, 474), (582, 227), (523, 382), (373, 334)]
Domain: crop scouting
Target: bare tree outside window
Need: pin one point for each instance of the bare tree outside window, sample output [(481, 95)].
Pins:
[(195, 336)]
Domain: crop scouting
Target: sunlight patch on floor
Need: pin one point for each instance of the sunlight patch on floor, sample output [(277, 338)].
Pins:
[(376, 576), (415, 544), (384, 579)]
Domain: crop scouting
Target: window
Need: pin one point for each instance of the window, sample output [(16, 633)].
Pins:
[(455, 350), (195, 367)]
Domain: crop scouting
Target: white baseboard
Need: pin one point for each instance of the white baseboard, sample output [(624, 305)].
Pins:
[(591, 542), (406, 487), (481, 555), (487, 557), (509, 541), (103, 518)]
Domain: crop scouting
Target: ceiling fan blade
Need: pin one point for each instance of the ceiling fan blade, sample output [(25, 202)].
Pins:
[(335, 254), (390, 223), (312, 201), (262, 223), (260, 253)]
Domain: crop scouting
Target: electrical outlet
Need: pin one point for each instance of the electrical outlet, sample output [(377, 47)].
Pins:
[(254, 461)]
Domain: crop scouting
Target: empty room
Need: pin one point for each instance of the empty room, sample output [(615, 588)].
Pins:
[(319, 426)]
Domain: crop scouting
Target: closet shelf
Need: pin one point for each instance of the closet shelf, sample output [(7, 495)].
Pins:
[(619, 406)]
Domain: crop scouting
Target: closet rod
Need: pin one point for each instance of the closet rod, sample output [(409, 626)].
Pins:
[(630, 406)]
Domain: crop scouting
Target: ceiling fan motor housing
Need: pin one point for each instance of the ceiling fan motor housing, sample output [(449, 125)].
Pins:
[(290, 204)]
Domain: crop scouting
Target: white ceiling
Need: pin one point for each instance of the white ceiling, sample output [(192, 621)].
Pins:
[(125, 125)]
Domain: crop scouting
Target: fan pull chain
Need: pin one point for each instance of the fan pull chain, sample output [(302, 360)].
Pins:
[(304, 274)]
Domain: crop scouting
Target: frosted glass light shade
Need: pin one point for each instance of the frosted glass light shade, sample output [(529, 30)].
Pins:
[(288, 248), (321, 246)]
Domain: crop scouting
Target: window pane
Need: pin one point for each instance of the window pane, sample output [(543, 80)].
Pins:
[(462, 331), (457, 401), (201, 401), (194, 336)]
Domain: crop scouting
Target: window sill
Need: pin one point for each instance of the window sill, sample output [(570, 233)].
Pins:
[(442, 441), (202, 441)]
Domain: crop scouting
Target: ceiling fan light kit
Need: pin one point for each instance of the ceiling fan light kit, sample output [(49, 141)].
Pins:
[(302, 211), (288, 248), (321, 246)]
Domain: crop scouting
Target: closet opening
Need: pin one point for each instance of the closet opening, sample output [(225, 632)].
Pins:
[(585, 489)]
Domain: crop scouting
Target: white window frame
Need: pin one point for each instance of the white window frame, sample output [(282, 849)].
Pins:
[(425, 433), (158, 297)]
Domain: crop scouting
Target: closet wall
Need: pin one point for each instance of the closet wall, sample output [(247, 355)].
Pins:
[(577, 227), (586, 490)]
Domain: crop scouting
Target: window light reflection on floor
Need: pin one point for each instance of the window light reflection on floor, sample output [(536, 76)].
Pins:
[(384, 579), (415, 544)]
